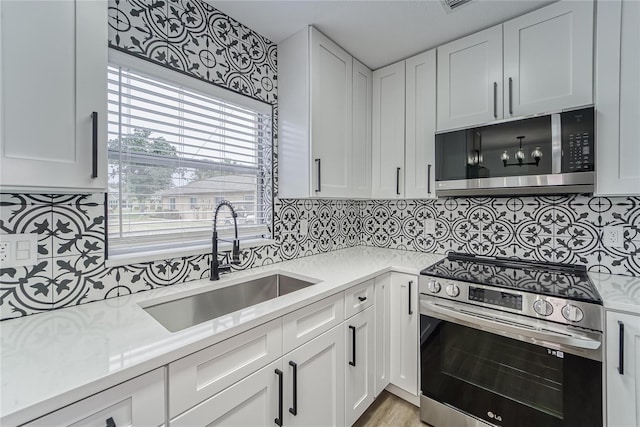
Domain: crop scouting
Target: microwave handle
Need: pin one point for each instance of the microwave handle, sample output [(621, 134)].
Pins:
[(556, 144), (469, 318)]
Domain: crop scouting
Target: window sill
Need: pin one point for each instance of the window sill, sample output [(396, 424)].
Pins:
[(150, 256)]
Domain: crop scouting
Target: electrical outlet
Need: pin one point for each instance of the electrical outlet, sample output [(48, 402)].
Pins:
[(613, 236), (18, 249), (429, 226), (5, 251), (303, 227)]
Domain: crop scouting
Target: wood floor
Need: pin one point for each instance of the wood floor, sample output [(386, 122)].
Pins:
[(390, 411)]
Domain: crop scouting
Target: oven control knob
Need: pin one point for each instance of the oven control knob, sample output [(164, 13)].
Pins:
[(433, 286), (452, 290), (572, 313), (542, 307)]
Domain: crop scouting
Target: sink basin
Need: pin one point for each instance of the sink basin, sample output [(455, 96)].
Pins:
[(182, 313)]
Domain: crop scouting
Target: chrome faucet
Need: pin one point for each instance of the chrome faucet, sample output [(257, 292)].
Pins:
[(216, 268)]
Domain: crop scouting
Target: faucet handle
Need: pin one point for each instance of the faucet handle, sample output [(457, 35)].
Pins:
[(235, 253)]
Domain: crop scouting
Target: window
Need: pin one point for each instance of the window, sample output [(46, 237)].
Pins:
[(175, 151)]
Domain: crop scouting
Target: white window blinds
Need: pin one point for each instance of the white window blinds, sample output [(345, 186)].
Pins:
[(174, 154)]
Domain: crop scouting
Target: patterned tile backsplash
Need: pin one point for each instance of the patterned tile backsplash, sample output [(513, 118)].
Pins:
[(566, 229), (71, 244), (71, 250)]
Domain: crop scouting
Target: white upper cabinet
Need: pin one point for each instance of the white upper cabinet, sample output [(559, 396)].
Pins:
[(618, 98), (361, 161), (331, 116), (324, 103), (548, 59), (53, 77), (538, 63), (388, 131), (420, 126), (470, 80)]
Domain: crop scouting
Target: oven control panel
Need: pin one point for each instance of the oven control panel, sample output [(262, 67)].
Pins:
[(496, 297), (559, 310)]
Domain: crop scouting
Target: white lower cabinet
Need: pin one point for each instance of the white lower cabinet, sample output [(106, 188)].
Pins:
[(359, 365), (314, 381), (253, 401), (623, 369), (404, 317), (382, 306), (137, 402), (201, 375)]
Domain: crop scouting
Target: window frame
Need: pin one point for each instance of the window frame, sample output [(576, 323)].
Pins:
[(180, 244)]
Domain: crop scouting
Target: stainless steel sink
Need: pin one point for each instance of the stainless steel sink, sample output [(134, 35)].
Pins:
[(182, 313)]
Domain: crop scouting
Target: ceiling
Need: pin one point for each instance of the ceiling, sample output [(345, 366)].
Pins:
[(379, 32)]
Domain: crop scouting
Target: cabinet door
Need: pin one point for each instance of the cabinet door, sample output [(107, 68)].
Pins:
[(470, 80), (359, 365), (253, 401), (361, 152), (382, 328), (314, 381), (137, 402), (420, 126), (622, 387), (54, 76), (618, 98), (404, 332), (331, 110), (548, 59), (388, 132)]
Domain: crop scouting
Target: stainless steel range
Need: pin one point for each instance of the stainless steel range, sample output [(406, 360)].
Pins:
[(509, 343)]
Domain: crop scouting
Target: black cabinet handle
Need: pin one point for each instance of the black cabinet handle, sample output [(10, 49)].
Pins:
[(278, 420), (94, 145), (495, 100), (294, 409), (510, 96), (398, 181), (621, 348), (353, 346), (429, 179), (319, 184), (362, 299), (410, 310), (110, 422)]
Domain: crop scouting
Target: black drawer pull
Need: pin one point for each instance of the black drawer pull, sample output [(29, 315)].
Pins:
[(362, 299), (278, 420), (621, 348), (110, 422), (353, 346), (294, 409)]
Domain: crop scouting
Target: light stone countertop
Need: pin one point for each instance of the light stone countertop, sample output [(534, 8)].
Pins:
[(52, 359), (620, 293)]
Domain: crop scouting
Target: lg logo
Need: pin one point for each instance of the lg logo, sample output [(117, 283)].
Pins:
[(494, 416)]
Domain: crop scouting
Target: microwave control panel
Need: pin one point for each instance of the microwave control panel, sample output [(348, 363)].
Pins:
[(578, 140)]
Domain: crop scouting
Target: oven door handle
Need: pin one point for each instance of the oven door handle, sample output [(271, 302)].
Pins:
[(451, 314)]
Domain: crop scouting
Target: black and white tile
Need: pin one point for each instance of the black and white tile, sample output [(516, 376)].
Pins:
[(567, 229)]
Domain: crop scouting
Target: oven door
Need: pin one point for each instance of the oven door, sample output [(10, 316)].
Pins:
[(508, 370)]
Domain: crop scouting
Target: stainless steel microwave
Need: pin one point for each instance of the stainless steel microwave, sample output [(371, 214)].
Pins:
[(544, 154)]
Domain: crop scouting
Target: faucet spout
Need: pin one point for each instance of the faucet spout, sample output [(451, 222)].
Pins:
[(216, 268)]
